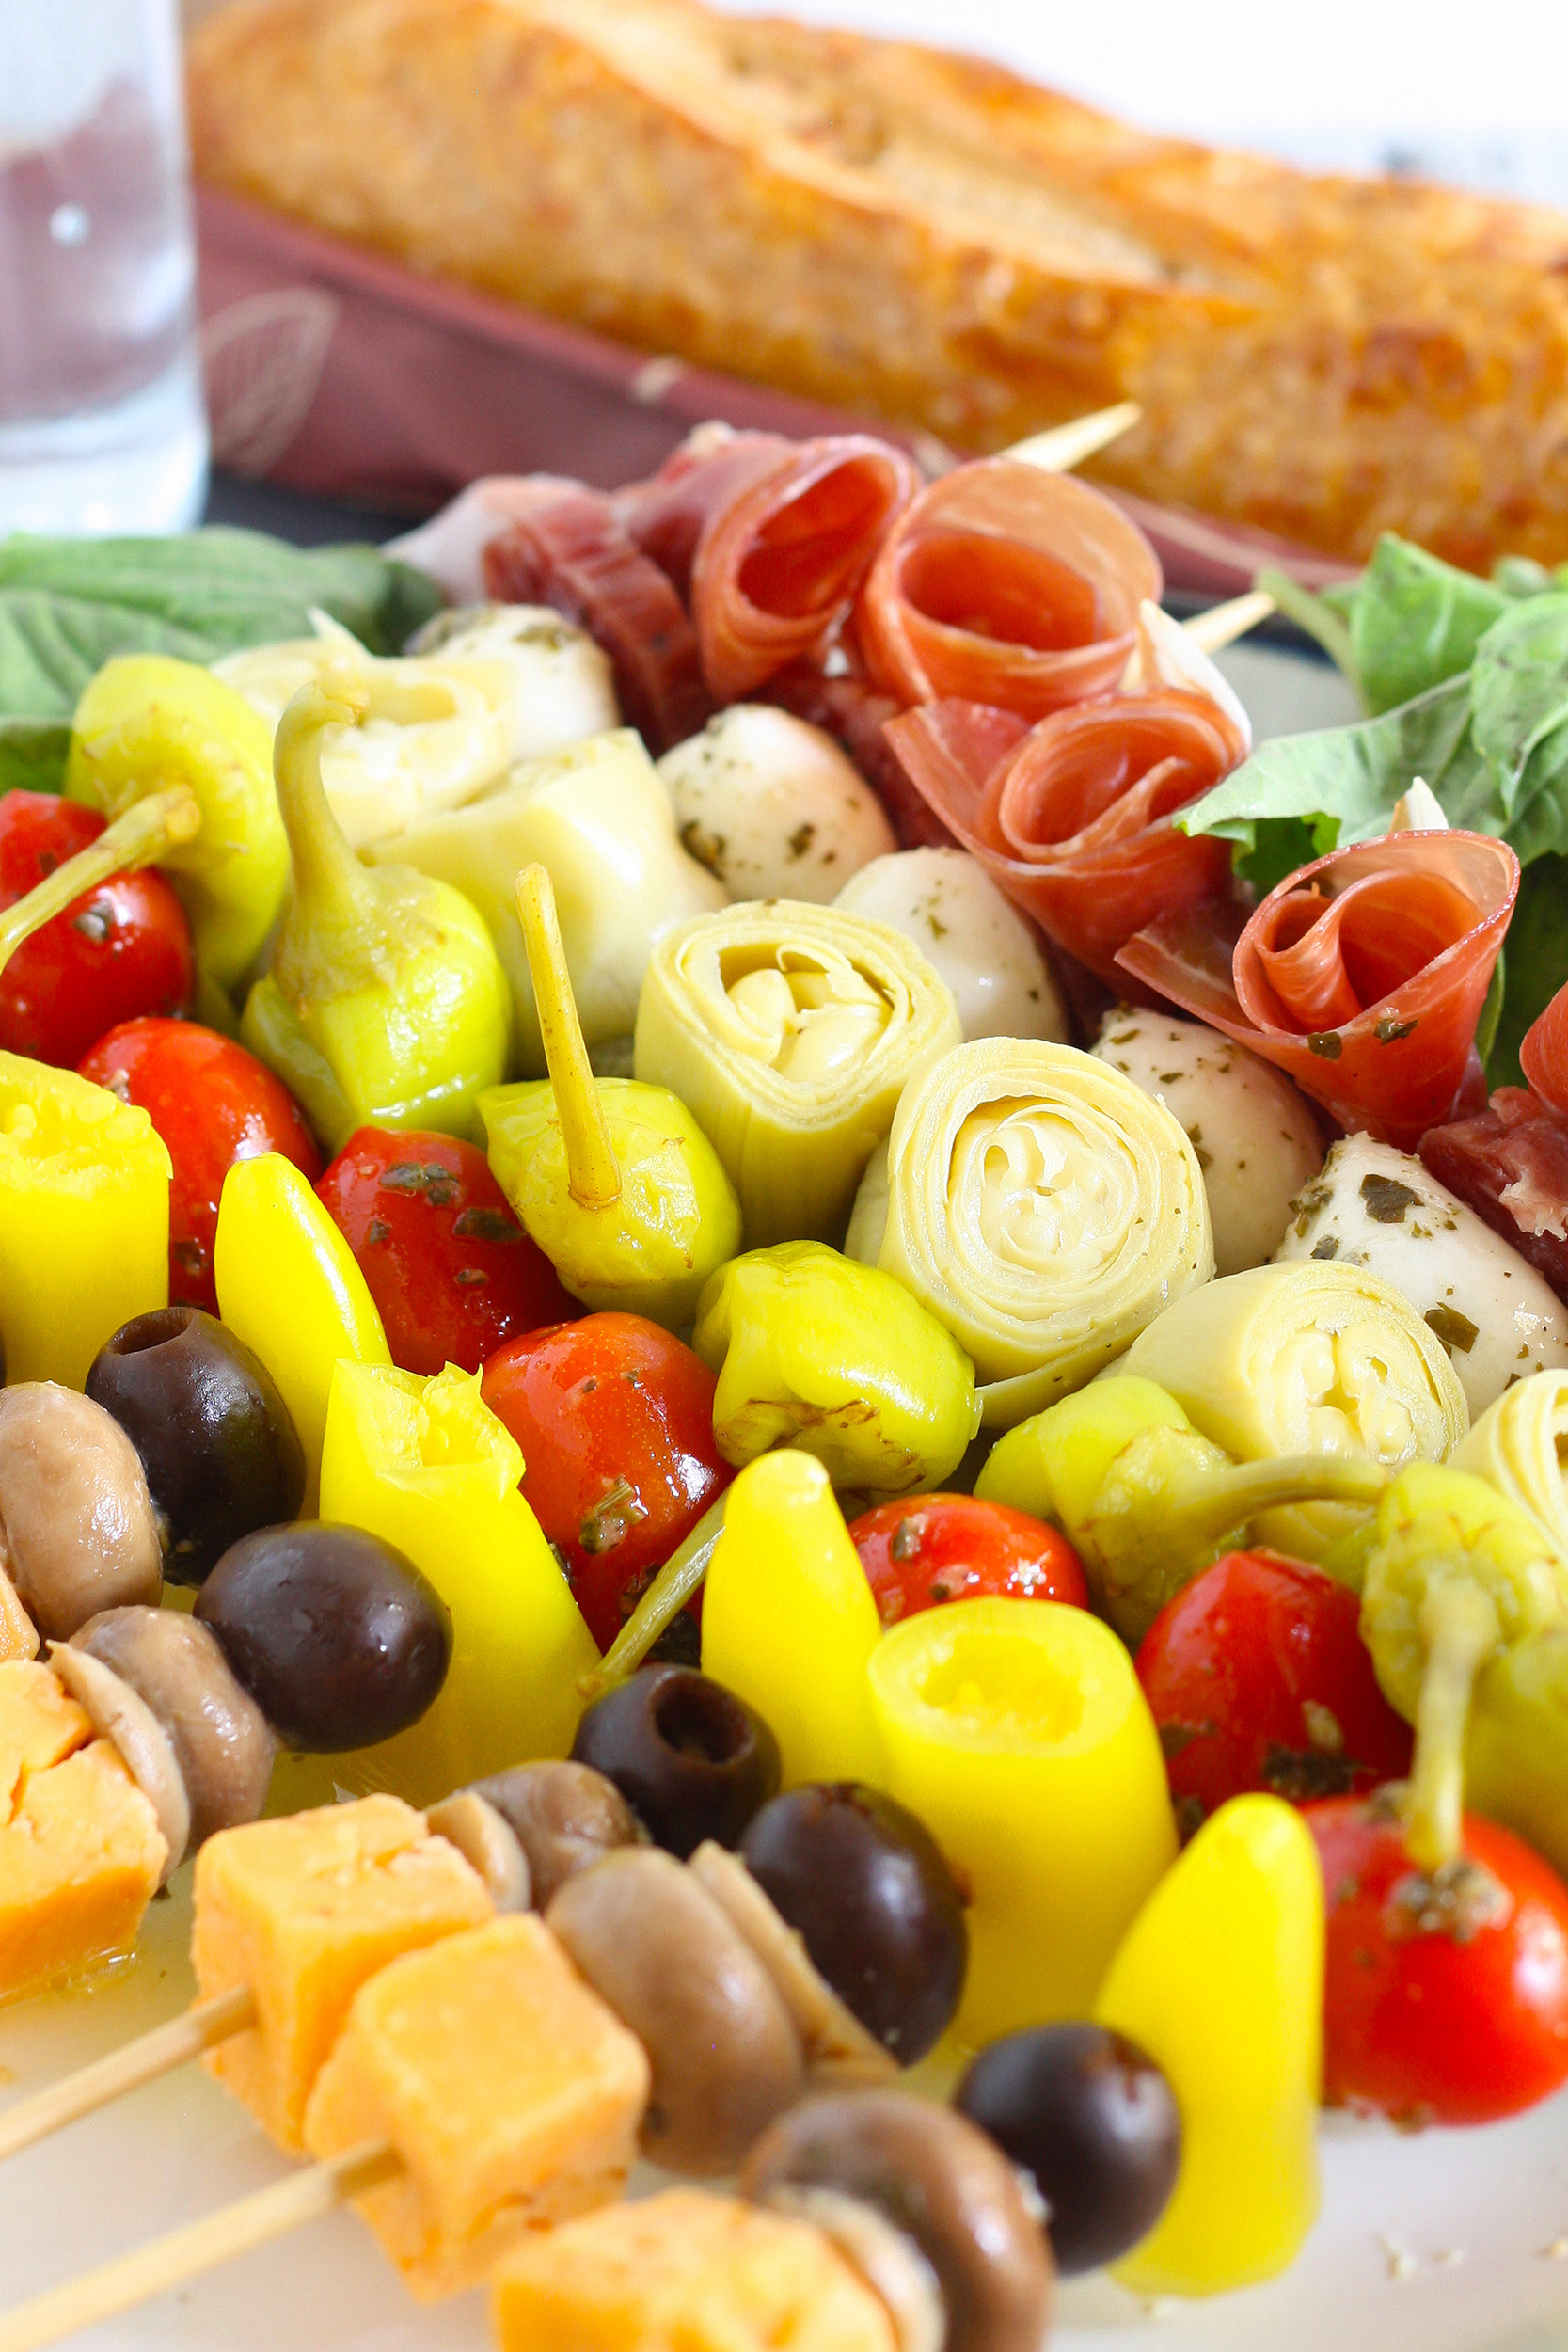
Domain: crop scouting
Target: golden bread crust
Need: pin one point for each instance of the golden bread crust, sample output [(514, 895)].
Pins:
[(934, 242)]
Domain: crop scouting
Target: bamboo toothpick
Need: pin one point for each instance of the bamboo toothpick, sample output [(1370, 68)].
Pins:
[(1224, 622), (140, 2062), (199, 2246), (1061, 447)]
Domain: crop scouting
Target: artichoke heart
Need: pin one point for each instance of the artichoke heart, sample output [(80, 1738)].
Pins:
[(1519, 1446), (791, 1030), (1042, 1207), (438, 729), (1307, 1357)]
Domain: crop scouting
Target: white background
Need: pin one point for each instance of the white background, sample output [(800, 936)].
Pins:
[(1476, 90)]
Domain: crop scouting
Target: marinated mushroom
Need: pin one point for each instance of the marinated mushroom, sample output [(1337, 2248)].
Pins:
[(565, 1817), (78, 1533), (470, 1822), (691, 1759), (124, 1718), (939, 2178), (726, 2056), (222, 1742)]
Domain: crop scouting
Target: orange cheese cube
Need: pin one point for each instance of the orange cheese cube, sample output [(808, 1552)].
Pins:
[(81, 1852), (685, 2272), (303, 1911), (18, 1635), (511, 2092)]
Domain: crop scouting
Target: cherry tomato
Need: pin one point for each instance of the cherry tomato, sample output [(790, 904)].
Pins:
[(116, 951), (1447, 1997), (213, 1104), (935, 1547), (1258, 1677), (615, 1420), (452, 1271)]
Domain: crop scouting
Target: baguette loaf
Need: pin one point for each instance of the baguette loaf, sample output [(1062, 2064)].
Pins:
[(933, 242)]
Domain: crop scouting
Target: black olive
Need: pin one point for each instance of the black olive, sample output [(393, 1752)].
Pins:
[(337, 1638), (215, 1438), (1094, 2120), (690, 1760), (867, 1886)]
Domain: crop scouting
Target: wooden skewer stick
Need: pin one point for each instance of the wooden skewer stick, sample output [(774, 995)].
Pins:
[(140, 2062), (1063, 446), (199, 2246), (1224, 622)]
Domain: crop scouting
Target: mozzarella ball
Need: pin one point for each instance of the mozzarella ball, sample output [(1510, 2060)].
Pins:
[(1376, 1207), (773, 806), (1257, 1139), (564, 687), (972, 932)]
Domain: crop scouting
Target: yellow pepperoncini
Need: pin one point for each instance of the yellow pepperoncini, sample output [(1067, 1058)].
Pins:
[(83, 1219), (613, 1180), (1017, 1731), (289, 1286), (1146, 1501), (426, 1465), (788, 1620), (1220, 1979), (815, 1351)]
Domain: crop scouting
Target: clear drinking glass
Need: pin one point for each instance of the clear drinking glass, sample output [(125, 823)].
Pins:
[(102, 421)]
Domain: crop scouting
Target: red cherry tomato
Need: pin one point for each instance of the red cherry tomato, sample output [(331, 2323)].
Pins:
[(452, 1271), (116, 951), (1258, 1677), (935, 1547), (615, 1420), (1447, 1997), (213, 1104)]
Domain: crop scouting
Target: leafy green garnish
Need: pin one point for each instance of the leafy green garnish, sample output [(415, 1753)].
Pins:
[(1537, 961), (68, 605)]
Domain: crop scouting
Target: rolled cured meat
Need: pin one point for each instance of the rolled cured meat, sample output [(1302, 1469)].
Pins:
[(1519, 1446), (1543, 1054), (1073, 817), (1313, 1357), (1362, 976), (790, 1031), (567, 550), (768, 539), (1510, 1164), (1001, 583), (1042, 1207)]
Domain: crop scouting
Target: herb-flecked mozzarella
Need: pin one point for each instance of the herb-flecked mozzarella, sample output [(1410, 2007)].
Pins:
[(773, 806), (1373, 1206), (564, 685), (1255, 1137), (972, 932)]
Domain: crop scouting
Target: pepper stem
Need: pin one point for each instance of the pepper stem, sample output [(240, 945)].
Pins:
[(592, 1171), (139, 838), (662, 1603), (329, 879), (1459, 1622), (1230, 1498)]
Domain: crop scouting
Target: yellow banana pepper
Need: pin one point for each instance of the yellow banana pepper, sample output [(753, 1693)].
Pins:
[(426, 1465), (1220, 1979), (83, 1219), (289, 1287), (1017, 1731), (788, 1620)]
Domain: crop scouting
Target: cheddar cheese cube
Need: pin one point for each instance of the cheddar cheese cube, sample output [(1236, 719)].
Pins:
[(685, 2272), (303, 1911), (81, 1852), (511, 2092)]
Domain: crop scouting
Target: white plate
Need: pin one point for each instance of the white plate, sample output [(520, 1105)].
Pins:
[(1449, 2242), (1433, 2244)]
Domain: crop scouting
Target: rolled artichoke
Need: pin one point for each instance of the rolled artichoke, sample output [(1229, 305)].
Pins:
[(791, 1031), (1312, 1357), (1042, 1207), (1516, 1447)]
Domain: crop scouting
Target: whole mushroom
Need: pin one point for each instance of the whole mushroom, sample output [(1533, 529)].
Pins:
[(78, 1533), (565, 1817)]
